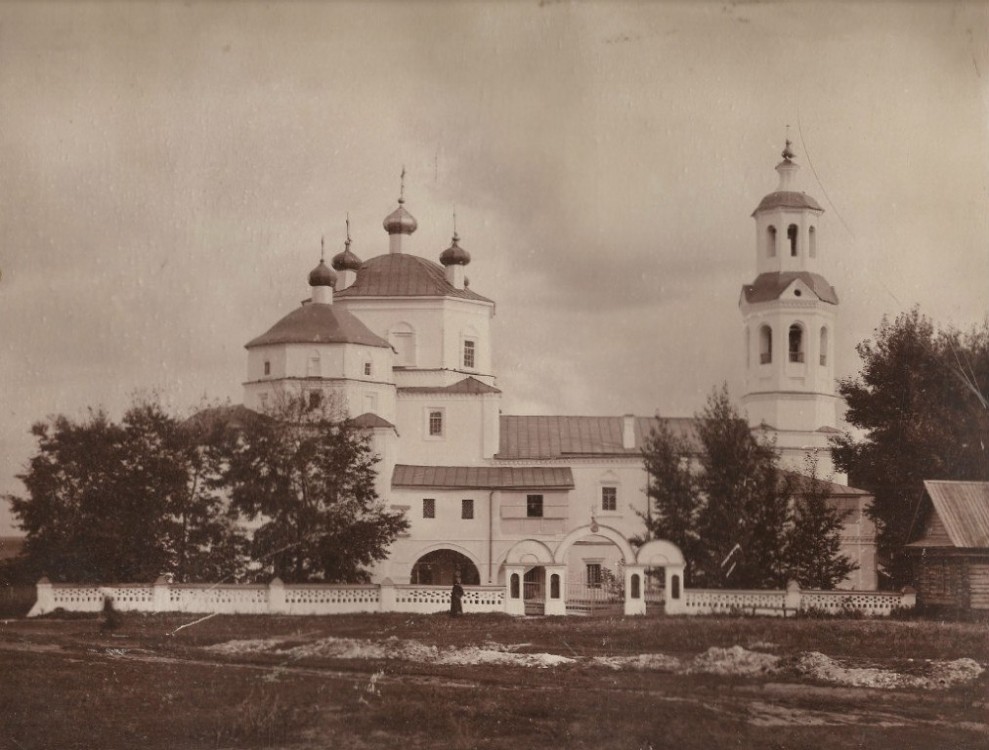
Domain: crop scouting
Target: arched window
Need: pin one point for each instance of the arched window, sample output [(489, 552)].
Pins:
[(791, 235), (813, 242), (771, 241), (403, 338), (824, 345), (765, 345), (554, 586), (514, 583), (796, 343), (635, 586), (674, 587)]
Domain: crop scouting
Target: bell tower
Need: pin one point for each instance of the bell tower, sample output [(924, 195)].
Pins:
[(789, 313)]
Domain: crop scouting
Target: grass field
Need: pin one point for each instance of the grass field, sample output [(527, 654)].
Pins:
[(411, 681)]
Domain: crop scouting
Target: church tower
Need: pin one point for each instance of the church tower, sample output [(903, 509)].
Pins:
[(789, 313)]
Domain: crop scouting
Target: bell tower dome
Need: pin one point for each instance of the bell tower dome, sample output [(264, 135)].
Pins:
[(790, 312)]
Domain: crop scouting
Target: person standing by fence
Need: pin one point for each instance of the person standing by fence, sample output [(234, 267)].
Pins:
[(456, 598)]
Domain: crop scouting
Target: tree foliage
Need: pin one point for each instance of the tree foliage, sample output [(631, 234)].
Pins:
[(309, 478), (737, 517), (920, 400), (124, 501)]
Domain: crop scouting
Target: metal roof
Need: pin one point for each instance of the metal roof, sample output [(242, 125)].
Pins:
[(801, 483), (532, 437), (769, 286), (316, 323), (403, 275), (369, 420), (787, 199), (963, 509), (467, 385), (483, 477)]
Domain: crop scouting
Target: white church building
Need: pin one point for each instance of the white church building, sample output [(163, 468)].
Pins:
[(403, 343)]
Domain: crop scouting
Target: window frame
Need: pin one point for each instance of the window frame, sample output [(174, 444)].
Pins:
[(611, 489), (469, 350), (434, 415), (533, 503), (467, 509), (596, 580), (429, 507)]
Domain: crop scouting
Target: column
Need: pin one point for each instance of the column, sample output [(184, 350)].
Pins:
[(514, 579), (556, 598)]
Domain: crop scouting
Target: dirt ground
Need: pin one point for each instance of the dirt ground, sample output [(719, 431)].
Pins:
[(386, 681)]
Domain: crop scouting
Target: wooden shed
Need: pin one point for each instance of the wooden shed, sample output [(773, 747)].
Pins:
[(952, 554)]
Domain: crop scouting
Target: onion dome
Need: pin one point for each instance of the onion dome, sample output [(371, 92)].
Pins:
[(455, 255), (400, 221), (322, 275), (346, 261)]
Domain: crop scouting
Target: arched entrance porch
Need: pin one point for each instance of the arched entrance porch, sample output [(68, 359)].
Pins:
[(530, 554)]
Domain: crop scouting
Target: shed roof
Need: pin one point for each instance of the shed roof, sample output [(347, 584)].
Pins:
[(532, 437), (403, 275), (369, 421), (963, 511), (316, 323), (467, 385), (769, 286), (483, 477)]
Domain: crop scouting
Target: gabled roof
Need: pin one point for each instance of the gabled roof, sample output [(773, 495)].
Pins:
[(469, 385), (962, 510), (787, 199), (483, 477), (316, 323), (769, 286), (403, 275), (532, 437), (369, 421)]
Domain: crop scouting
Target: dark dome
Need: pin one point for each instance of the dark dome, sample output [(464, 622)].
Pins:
[(322, 275), (400, 221), (788, 199), (346, 261), (455, 255)]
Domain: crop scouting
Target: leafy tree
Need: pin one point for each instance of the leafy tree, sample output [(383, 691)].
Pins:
[(814, 540), (672, 492), (723, 499), (920, 399), (743, 512), (109, 502), (308, 476)]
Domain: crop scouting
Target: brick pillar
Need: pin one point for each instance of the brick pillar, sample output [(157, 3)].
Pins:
[(556, 605), (635, 605), (276, 597), (46, 599), (159, 598), (386, 596)]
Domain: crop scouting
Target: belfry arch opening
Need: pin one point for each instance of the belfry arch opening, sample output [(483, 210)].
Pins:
[(765, 345), (796, 341), (771, 241), (791, 236), (444, 566)]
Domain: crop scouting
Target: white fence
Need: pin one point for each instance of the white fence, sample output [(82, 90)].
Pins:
[(793, 601), (276, 598), (331, 599)]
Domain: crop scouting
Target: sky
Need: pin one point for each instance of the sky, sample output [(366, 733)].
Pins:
[(167, 171)]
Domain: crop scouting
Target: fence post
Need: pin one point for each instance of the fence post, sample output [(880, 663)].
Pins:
[(276, 597), (386, 596), (159, 596), (46, 599), (793, 598), (908, 598)]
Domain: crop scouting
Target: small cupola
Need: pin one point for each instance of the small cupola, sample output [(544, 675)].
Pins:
[(347, 264), (322, 279), (454, 259), (399, 222)]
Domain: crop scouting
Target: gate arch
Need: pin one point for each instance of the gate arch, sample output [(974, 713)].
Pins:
[(607, 532)]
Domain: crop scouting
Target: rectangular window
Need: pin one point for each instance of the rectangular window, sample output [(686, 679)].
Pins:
[(469, 354), (267, 367), (594, 574), (367, 368), (609, 498), (428, 507), (436, 423), (534, 506), (467, 508)]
